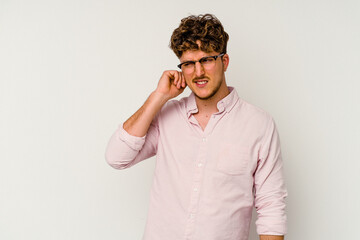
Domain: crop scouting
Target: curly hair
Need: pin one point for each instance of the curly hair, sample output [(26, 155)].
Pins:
[(204, 28)]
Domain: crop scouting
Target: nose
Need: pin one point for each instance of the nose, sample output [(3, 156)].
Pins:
[(199, 69)]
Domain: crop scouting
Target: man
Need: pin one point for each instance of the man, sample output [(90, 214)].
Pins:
[(217, 155)]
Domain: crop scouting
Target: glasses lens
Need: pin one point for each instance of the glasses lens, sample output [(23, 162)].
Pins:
[(188, 67), (208, 62)]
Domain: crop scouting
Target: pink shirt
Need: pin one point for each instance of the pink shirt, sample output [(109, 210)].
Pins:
[(207, 182)]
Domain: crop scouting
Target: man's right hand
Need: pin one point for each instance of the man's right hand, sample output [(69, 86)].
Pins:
[(171, 84)]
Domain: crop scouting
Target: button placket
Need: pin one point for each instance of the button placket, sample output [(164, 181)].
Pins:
[(195, 193)]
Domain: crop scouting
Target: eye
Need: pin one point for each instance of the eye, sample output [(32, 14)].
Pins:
[(188, 64), (207, 60)]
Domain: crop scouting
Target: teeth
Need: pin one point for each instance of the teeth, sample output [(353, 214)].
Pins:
[(202, 82)]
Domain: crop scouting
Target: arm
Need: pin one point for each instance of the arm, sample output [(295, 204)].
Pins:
[(269, 186), (171, 84), (271, 237), (127, 146)]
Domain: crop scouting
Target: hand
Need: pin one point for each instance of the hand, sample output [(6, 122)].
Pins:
[(171, 84)]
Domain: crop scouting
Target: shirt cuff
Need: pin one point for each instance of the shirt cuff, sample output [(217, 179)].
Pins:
[(134, 142), (271, 226)]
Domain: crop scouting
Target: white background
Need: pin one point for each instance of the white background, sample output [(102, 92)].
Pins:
[(71, 71)]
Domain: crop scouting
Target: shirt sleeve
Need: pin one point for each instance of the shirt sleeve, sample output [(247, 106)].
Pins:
[(125, 150), (269, 187)]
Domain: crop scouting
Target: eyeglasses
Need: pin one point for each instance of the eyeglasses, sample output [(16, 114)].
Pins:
[(207, 62)]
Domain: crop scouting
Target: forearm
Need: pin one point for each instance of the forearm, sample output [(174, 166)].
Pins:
[(124, 146), (138, 124), (271, 237), (171, 84), (270, 190)]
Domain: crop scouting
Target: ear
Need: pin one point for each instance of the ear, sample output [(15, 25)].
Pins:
[(225, 60)]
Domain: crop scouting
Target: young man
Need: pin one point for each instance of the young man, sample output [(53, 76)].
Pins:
[(217, 155)]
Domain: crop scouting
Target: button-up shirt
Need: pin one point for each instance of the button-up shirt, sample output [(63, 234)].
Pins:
[(207, 182)]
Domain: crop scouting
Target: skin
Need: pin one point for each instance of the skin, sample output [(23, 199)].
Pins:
[(216, 89), (172, 83), (271, 237)]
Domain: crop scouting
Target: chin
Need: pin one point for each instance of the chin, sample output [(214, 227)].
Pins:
[(205, 96)]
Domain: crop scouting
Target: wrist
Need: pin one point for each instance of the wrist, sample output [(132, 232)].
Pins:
[(160, 97)]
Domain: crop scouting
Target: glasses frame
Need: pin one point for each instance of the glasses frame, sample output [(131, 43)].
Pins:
[(201, 59)]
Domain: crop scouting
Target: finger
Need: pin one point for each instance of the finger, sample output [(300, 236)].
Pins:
[(178, 79), (181, 79), (174, 77), (183, 83), (178, 82)]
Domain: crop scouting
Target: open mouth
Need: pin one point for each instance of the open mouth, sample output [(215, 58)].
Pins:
[(201, 83)]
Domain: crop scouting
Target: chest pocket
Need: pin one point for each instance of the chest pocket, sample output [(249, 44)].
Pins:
[(233, 159)]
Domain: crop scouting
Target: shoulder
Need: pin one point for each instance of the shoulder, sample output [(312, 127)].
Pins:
[(174, 103), (253, 112), (174, 107)]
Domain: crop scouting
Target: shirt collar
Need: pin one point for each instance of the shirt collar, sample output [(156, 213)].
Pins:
[(225, 104)]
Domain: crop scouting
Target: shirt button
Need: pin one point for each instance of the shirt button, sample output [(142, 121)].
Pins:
[(204, 139), (192, 215), (195, 189), (200, 164)]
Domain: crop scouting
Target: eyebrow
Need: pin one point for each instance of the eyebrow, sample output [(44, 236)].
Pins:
[(196, 60)]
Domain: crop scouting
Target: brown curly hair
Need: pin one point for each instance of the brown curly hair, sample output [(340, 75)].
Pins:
[(205, 28)]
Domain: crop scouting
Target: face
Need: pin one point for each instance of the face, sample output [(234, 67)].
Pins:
[(204, 81)]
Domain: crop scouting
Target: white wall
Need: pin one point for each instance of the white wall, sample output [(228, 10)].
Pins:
[(71, 71)]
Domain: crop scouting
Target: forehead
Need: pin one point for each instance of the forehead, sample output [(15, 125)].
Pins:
[(191, 55)]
